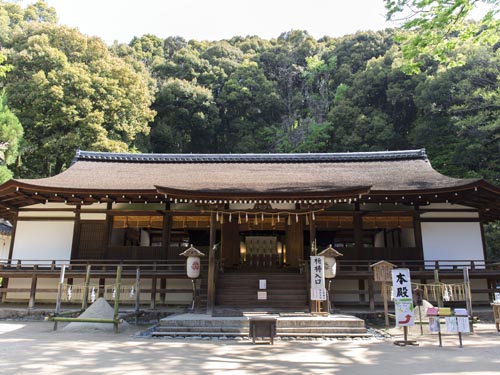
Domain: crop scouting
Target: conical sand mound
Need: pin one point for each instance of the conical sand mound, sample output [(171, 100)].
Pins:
[(100, 309)]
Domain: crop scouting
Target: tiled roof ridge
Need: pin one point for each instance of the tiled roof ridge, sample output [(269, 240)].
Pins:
[(252, 158)]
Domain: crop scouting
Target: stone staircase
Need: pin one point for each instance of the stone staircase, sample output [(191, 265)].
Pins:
[(303, 325), (285, 290)]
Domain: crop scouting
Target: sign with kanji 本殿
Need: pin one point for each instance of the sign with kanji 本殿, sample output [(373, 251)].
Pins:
[(318, 290), (403, 299)]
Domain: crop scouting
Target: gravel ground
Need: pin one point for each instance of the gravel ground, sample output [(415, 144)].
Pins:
[(33, 348)]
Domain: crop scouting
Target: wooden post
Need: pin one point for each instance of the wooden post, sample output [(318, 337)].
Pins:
[(163, 286), (137, 294), (312, 235), (85, 297), (358, 232), (59, 295), (117, 297), (371, 295), (102, 287), (211, 266), (153, 293), (417, 229), (31, 303), (76, 235), (5, 280), (386, 303), (436, 280), (468, 296), (166, 231), (109, 230)]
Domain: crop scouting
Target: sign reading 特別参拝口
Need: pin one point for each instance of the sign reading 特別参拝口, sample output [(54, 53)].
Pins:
[(318, 290), (403, 299)]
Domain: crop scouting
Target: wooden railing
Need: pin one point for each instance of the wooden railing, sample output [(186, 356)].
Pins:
[(156, 272), (151, 272)]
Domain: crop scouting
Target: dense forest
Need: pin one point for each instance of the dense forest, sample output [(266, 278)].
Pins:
[(294, 93)]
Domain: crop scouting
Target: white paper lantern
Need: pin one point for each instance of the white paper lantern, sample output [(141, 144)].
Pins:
[(330, 267), (193, 266), (330, 262)]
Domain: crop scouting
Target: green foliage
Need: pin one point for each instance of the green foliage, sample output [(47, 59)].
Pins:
[(4, 68), (440, 27), (492, 237), (11, 133), (70, 92)]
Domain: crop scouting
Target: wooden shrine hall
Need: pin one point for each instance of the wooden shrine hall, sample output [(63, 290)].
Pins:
[(251, 214)]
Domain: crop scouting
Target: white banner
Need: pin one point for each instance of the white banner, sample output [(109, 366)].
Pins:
[(317, 272), (402, 294)]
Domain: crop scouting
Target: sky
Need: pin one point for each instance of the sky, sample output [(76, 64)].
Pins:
[(121, 20)]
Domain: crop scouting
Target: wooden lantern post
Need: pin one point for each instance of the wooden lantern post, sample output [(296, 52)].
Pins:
[(330, 262), (193, 267), (382, 273)]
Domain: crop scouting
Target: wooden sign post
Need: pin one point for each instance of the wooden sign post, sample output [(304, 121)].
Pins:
[(382, 273)]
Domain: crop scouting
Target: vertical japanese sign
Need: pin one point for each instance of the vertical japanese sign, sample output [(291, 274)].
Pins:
[(318, 290), (403, 301)]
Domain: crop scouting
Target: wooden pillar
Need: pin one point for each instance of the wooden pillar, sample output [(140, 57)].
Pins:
[(230, 242), (153, 293), (5, 280), (166, 231), (371, 294), (102, 287), (109, 229), (361, 286), (417, 228), (483, 240), (294, 240), (312, 234), (163, 286), (31, 303), (358, 233), (211, 266), (76, 234)]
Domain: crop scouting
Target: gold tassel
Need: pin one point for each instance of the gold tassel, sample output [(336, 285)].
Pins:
[(289, 219), (256, 222), (217, 216), (239, 218), (307, 219), (246, 216), (272, 220)]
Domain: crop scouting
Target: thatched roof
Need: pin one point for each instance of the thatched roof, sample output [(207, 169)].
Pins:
[(232, 176)]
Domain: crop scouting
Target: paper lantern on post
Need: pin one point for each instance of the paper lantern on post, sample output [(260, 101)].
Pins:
[(193, 264), (330, 255)]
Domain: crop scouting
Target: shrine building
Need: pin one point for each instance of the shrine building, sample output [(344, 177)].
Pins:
[(252, 215)]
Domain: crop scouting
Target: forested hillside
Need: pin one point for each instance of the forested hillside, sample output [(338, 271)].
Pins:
[(294, 93)]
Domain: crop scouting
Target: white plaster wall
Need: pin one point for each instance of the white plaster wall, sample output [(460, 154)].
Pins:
[(452, 241), (43, 240)]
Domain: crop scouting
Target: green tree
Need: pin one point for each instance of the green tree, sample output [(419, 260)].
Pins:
[(438, 27), (187, 118), (250, 109), (69, 92), (11, 132)]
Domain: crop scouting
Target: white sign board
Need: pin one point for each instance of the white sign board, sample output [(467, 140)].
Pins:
[(262, 284), (403, 299), (318, 294), (317, 272), (261, 295)]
